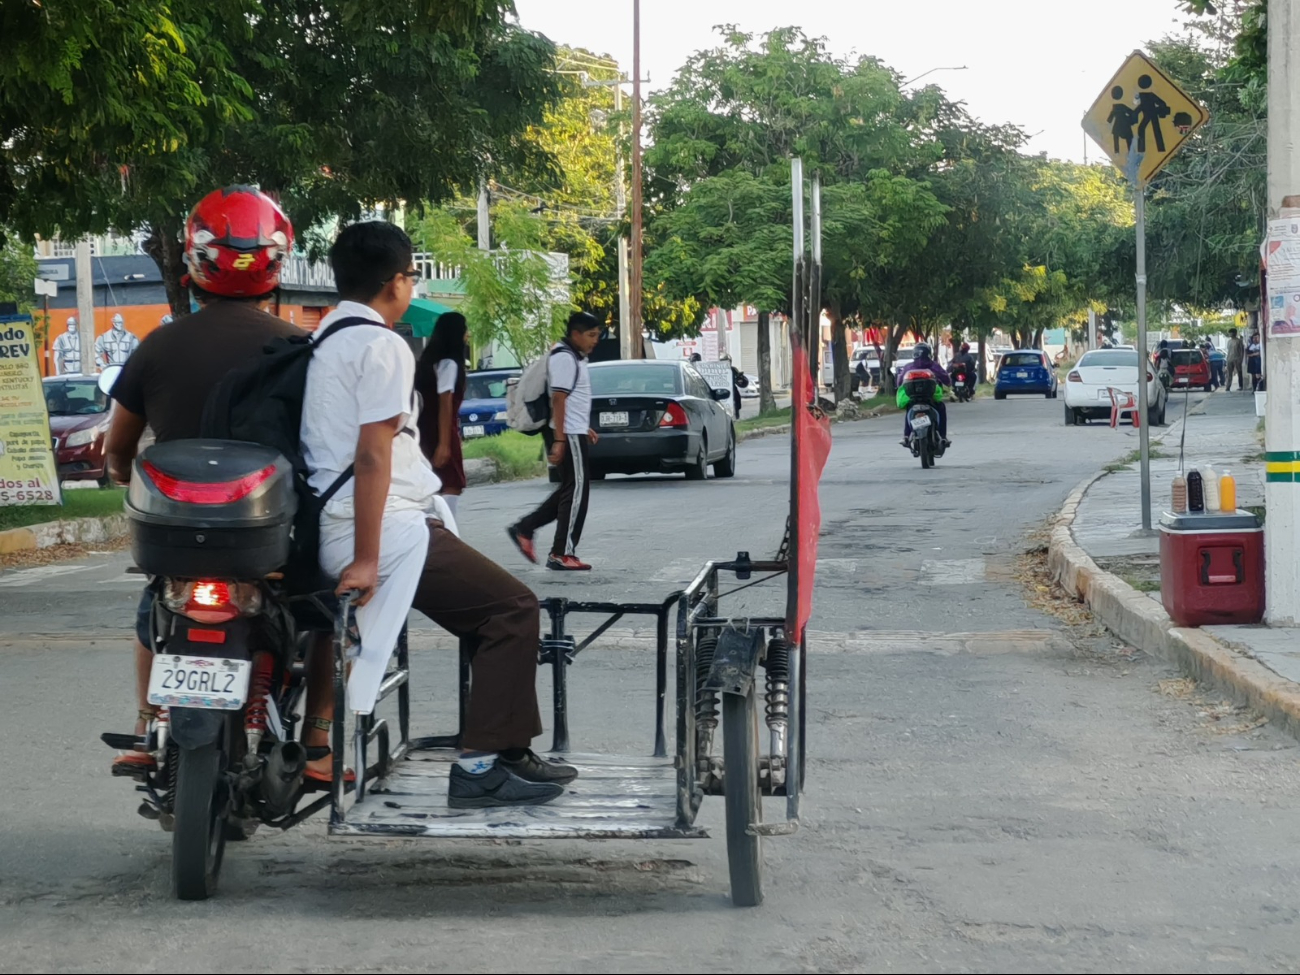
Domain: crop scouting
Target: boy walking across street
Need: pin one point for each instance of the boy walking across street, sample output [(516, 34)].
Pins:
[(568, 440)]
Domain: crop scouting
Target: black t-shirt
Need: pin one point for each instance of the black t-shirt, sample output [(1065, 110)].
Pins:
[(167, 380)]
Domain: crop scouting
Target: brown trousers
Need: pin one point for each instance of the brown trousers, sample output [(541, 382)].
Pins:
[(471, 596)]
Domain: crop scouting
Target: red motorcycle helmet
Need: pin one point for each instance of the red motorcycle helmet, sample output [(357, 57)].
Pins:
[(236, 240)]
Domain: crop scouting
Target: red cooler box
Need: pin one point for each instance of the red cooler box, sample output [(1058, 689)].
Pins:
[(1212, 568)]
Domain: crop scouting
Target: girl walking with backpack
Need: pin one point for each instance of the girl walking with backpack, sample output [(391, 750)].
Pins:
[(440, 381)]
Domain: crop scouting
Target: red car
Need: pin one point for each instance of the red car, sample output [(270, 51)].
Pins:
[(1189, 368), (79, 427)]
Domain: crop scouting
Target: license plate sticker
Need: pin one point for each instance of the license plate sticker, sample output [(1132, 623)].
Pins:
[(617, 419), (474, 431), (199, 682)]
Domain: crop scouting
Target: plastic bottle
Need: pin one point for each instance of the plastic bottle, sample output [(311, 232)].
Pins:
[(1195, 491), (1180, 494), (1228, 493), (1210, 480)]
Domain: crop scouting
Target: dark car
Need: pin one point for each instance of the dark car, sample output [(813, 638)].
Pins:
[(659, 417), (78, 427), (1025, 371), (483, 411)]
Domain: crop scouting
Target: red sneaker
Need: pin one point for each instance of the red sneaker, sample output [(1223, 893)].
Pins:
[(566, 563), (523, 543)]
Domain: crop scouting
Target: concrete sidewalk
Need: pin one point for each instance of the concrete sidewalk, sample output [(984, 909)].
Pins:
[(1100, 553)]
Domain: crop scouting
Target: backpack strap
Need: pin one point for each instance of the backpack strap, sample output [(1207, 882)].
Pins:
[(343, 323)]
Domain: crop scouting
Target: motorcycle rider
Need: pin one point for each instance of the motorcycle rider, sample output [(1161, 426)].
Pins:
[(923, 358), (967, 359), (236, 240)]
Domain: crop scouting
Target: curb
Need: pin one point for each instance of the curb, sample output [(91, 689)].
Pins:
[(69, 532), (1142, 622)]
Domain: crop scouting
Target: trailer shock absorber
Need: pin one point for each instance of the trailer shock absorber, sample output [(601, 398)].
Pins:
[(259, 686), (706, 699), (777, 667)]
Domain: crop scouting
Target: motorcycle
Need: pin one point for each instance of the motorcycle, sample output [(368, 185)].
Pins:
[(924, 441), (210, 523), (963, 382)]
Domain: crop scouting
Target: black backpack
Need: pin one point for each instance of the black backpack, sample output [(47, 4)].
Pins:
[(262, 403)]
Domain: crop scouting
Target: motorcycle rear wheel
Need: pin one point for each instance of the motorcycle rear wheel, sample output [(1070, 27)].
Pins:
[(927, 454), (199, 839)]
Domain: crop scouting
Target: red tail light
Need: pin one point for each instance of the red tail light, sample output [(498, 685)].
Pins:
[(1150, 378), (674, 416), (915, 374), (195, 492), (209, 602), (1074, 377)]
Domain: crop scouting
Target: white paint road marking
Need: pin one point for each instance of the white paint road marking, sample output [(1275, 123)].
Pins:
[(27, 577)]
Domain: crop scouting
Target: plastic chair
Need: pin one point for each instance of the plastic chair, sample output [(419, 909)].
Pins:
[(1121, 401)]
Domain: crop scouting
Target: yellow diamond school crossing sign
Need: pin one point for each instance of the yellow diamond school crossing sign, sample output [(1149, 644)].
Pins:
[(1142, 118)]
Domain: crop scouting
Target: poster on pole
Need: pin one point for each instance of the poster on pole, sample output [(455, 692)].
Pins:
[(28, 473), (1282, 260)]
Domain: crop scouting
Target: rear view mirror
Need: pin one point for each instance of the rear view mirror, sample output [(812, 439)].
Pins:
[(722, 394), (107, 378)]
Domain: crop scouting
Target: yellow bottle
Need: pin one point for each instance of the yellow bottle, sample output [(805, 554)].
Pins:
[(1227, 493)]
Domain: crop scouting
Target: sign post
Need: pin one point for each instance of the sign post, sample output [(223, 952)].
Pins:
[(1140, 120)]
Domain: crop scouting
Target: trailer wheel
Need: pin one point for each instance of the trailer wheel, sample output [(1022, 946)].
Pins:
[(743, 799)]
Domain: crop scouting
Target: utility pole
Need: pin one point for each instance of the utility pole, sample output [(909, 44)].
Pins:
[(625, 343), (1282, 433), (634, 283), (484, 217), (85, 306), (1144, 354)]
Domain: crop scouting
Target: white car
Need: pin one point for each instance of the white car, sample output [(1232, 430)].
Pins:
[(750, 391), (1086, 387)]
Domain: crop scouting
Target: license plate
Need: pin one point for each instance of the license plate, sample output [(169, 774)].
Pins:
[(477, 431), (199, 682), (618, 419), (1022, 375), (1103, 394), (920, 422)]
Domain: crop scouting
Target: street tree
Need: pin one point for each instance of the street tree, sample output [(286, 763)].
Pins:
[(719, 174), (334, 106), (513, 294)]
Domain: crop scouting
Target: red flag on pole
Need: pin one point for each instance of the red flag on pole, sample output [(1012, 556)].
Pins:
[(811, 434)]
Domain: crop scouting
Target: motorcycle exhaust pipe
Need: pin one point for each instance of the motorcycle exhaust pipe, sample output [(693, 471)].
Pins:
[(283, 776)]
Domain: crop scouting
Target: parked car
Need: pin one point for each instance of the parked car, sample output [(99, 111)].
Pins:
[(483, 411), (1025, 371), (750, 391), (659, 417), (866, 365), (78, 427), (1189, 368), (1087, 385)]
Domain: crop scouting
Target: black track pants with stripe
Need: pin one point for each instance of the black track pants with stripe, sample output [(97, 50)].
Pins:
[(567, 505)]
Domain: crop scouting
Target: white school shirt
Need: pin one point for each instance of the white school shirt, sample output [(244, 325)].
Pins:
[(567, 372), (360, 375)]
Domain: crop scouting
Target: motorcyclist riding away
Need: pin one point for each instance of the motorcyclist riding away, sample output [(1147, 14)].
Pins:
[(964, 358), (924, 359)]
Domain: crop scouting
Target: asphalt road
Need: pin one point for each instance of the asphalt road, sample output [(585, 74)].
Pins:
[(989, 788)]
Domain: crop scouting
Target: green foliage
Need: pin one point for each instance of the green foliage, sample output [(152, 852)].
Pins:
[(511, 293), (80, 503), (1206, 210), (17, 272), (335, 105), (516, 455)]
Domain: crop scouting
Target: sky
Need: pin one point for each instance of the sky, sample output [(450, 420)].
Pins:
[(1038, 64)]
